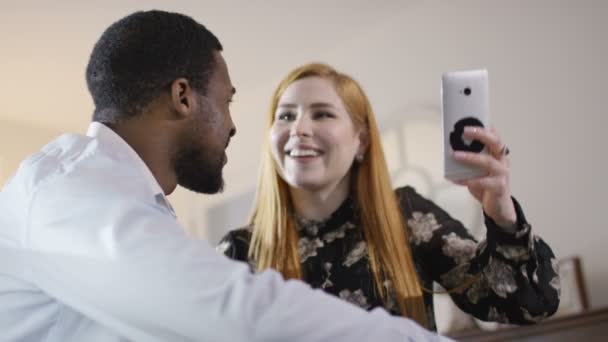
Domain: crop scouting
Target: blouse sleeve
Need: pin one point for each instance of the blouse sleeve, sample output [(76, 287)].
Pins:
[(510, 277), (235, 244)]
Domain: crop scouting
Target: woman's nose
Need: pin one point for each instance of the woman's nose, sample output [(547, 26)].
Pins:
[(301, 127)]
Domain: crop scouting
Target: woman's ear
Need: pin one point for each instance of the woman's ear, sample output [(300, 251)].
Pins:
[(363, 141), (182, 97)]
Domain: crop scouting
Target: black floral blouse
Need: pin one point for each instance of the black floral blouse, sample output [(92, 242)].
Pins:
[(513, 276)]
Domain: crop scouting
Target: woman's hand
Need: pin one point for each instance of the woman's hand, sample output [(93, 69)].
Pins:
[(492, 190)]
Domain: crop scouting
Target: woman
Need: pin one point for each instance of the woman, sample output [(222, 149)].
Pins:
[(326, 213)]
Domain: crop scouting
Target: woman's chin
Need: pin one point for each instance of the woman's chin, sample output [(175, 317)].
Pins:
[(305, 183)]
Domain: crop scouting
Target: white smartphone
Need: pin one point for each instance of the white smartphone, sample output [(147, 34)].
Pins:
[(464, 102)]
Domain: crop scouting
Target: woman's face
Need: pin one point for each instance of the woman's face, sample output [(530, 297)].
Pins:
[(313, 139)]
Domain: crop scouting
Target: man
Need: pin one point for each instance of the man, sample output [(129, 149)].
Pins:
[(89, 246)]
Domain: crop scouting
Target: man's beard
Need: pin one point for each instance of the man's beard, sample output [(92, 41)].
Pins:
[(198, 171)]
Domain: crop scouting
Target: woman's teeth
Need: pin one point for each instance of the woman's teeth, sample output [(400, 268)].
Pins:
[(303, 153)]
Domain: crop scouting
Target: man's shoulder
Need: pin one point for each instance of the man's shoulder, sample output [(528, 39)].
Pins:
[(56, 157), (41, 169), (69, 161)]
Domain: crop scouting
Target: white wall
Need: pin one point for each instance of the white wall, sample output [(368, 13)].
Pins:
[(546, 60), (18, 140), (547, 64)]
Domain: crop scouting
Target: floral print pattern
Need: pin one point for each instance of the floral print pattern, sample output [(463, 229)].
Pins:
[(497, 316), (501, 277), (338, 233), (422, 226), (510, 277), (459, 249), (516, 253), (532, 318), (223, 246), (355, 297), (327, 282), (455, 277), (358, 252), (478, 290), (308, 247)]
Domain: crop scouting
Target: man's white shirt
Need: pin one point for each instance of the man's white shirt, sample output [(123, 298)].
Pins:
[(90, 250)]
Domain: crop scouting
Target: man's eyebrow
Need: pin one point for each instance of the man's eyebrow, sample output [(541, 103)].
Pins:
[(233, 90)]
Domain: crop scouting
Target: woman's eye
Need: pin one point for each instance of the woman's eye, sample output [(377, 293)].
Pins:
[(286, 116), (323, 115)]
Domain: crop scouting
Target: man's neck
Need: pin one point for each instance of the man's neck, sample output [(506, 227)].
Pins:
[(153, 145)]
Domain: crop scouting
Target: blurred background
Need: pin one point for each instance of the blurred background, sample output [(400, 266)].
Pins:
[(546, 60)]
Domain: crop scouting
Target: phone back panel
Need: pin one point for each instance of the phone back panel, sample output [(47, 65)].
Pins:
[(465, 102)]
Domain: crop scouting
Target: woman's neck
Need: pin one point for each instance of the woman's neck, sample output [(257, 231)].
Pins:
[(320, 204)]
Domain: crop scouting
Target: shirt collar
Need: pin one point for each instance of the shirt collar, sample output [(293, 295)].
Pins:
[(120, 147), (342, 215)]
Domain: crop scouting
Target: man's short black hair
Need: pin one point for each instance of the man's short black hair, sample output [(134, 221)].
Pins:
[(139, 56)]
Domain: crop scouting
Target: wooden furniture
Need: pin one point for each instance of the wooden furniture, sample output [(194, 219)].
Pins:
[(590, 326)]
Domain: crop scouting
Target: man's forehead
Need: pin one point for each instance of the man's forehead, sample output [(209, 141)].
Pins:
[(220, 78)]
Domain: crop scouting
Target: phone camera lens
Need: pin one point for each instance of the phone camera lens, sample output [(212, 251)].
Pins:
[(467, 91)]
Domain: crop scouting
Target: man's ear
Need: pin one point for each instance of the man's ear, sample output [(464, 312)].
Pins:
[(182, 97)]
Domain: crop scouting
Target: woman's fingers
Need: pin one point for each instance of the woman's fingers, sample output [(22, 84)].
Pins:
[(496, 185), (482, 161), (488, 137)]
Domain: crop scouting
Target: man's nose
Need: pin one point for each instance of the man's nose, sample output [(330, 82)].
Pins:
[(233, 128)]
